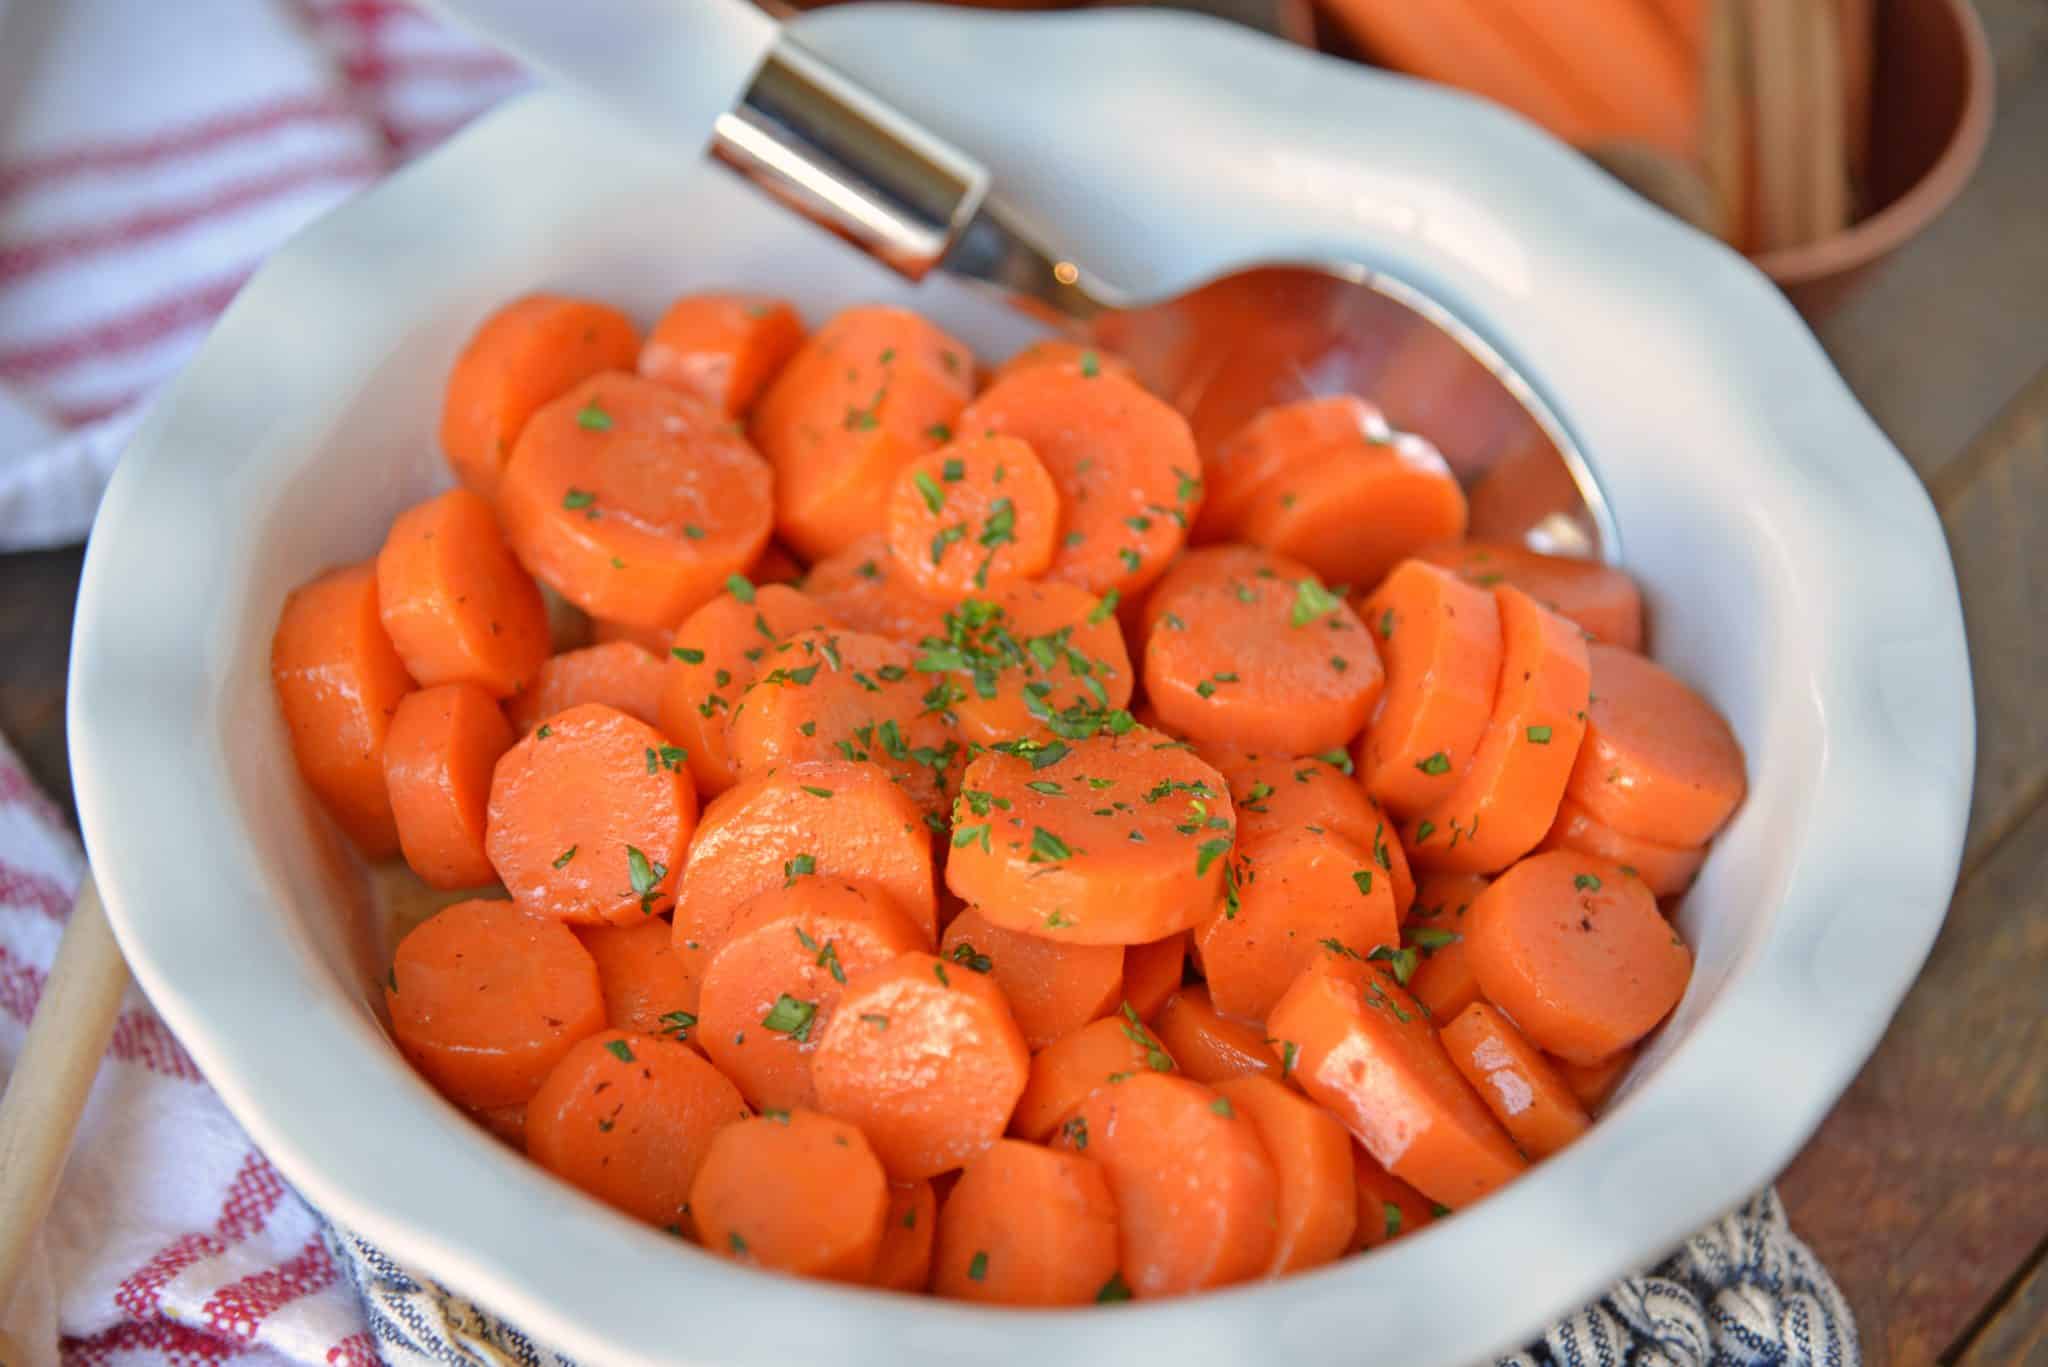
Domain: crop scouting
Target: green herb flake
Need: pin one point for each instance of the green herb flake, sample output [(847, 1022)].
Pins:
[(1424, 831), (687, 655), (562, 859), (1391, 1213), (1311, 602), (934, 496), (592, 418), (1115, 1289), (677, 1023), (1539, 735), (941, 434), (1438, 763), (791, 1017), (801, 866), (1091, 364), (1339, 758), (1586, 882), (1047, 848), (1100, 613), (1387, 625), (578, 498), (693, 531), (1208, 852), (817, 792), (1363, 877), (619, 1050), (1221, 1106), (740, 587)]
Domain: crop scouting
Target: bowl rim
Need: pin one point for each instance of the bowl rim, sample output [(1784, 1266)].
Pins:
[(238, 1046)]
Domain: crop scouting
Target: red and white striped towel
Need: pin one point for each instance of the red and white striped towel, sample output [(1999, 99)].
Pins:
[(151, 155)]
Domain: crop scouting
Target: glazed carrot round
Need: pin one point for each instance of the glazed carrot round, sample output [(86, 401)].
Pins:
[(1208, 1045), (1387, 1207), (629, 1118), (862, 587), (1365, 1050), (1313, 793), (530, 352), (455, 603), (1026, 1226), (1125, 465), (635, 502), (1600, 598), (1053, 989), (438, 758), (976, 514), (1311, 1155), (1666, 870), (647, 986), (1297, 892), (926, 1058), (1011, 661), (1658, 763), (722, 348), (1511, 1075), (1066, 1072), (1197, 1198), (1436, 930), (872, 390), (1593, 1083), (1439, 639), (908, 1234), (794, 1191), (590, 817), (1277, 440), (619, 674), (1117, 839), (844, 821), (485, 1000), (1267, 660), (1575, 951), (1508, 796), (1079, 357), (1152, 973), (715, 654), (338, 683), (771, 988)]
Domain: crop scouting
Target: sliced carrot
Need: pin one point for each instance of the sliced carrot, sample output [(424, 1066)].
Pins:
[(1593, 1083), (1600, 598), (863, 587), (526, 354), (1297, 894), (1365, 1049), (619, 674), (1066, 1072), (1439, 638), (635, 502), (590, 817), (1080, 357), (1659, 763), (908, 1234), (1443, 980), (1618, 52), (1125, 464), (1023, 657), (1280, 438), (1279, 793), (795, 1191), (485, 1000), (722, 348), (647, 986), (1208, 1045), (926, 1058), (1053, 989), (1027, 1226), (1387, 1207), (1197, 1198), (1152, 973), (977, 513), (1666, 870), (1311, 1155), (1267, 659), (1518, 1085), (1117, 839), (1574, 950), (454, 601), (629, 1117), (715, 654), (339, 683), (772, 987), (1507, 797), (438, 757), (872, 390)]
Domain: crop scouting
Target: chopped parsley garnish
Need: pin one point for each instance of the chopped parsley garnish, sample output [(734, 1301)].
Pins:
[(578, 498), (619, 1050), (1438, 763), (965, 953), (977, 1266), (1539, 735), (1047, 848), (791, 1017), (1311, 602), (934, 496), (798, 867), (1115, 1289), (592, 418), (740, 587), (1363, 877), (1586, 882), (1207, 854), (687, 655), (562, 859)]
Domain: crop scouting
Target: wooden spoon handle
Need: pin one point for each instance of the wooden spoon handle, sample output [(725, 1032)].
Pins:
[(54, 1074)]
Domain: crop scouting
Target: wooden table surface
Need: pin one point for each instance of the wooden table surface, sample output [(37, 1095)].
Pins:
[(1926, 1190)]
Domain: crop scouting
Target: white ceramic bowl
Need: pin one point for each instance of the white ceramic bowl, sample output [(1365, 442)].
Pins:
[(1794, 568)]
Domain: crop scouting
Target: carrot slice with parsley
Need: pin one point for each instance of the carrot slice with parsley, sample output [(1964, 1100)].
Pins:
[(1507, 798), (1600, 598), (1658, 762), (590, 817), (1593, 1083), (977, 513), (1067, 1071), (1442, 977), (1152, 973), (926, 1058), (485, 1000), (1575, 951), (1387, 1207), (1313, 793), (1079, 357), (1665, 869), (1208, 1045), (1025, 657), (722, 348), (1277, 440), (871, 391), (528, 353), (1027, 1225), (635, 502), (1513, 1078), (1117, 838), (1365, 1049), (456, 604), (773, 985), (338, 682), (908, 1235), (438, 758), (1311, 1155), (1053, 988), (712, 659), (1125, 465), (862, 587), (1440, 640), (1197, 1197), (794, 1191), (629, 1118), (647, 986), (619, 674)]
